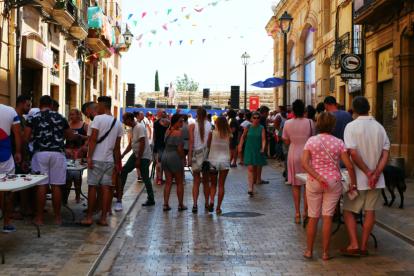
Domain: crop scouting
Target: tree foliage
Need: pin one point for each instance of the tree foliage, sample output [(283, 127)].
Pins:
[(186, 84), (157, 82)]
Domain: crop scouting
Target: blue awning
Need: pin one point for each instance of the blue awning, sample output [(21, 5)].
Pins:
[(271, 82)]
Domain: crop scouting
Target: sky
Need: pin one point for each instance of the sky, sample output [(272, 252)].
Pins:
[(214, 64)]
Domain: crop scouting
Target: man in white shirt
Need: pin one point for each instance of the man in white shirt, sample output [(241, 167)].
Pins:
[(171, 94), (190, 120), (142, 152), (105, 143), (369, 146), (9, 123), (149, 125)]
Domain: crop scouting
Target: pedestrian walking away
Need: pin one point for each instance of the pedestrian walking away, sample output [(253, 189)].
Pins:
[(219, 142), (323, 187), (296, 133)]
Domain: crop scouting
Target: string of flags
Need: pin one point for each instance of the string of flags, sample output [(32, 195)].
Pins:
[(191, 41), (263, 60)]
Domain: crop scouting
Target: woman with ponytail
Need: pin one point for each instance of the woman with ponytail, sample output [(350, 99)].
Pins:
[(197, 153)]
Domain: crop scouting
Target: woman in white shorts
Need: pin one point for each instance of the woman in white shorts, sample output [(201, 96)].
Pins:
[(219, 141)]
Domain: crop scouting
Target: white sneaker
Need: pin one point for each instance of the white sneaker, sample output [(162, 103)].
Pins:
[(118, 207)]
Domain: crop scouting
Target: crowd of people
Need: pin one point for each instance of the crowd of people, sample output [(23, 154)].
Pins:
[(319, 141)]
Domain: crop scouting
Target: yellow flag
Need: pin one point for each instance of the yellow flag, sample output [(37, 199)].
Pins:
[(215, 38), (197, 5), (187, 16), (300, 29), (191, 42), (195, 27)]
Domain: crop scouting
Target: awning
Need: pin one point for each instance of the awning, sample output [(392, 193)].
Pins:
[(271, 82)]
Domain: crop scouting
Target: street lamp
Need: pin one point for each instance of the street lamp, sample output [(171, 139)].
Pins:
[(245, 60), (285, 22), (128, 38)]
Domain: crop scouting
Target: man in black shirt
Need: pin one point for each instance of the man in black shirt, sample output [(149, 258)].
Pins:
[(264, 112), (234, 126), (160, 127)]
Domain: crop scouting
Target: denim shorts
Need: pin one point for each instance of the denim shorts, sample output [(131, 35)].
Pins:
[(101, 173), (160, 151)]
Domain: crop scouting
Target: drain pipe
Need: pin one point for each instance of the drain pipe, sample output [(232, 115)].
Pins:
[(18, 41)]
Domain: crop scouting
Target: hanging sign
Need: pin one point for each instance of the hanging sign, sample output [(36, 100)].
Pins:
[(73, 73), (254, 102), (385, 65), (37, 53), (351, 66)]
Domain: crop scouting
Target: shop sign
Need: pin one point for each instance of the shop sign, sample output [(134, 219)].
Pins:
[(354, 85), (351, 66), (254, 102), (385, 65), (38, 53), (73, 72)]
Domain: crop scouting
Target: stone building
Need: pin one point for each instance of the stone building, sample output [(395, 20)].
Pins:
[(388, 28), (321, 31), (54, 57), (217, 98)]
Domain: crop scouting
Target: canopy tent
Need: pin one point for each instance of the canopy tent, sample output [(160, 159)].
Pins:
[(271, 82)]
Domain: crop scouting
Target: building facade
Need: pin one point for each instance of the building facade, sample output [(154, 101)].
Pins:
[(381, 31), (69, 49)]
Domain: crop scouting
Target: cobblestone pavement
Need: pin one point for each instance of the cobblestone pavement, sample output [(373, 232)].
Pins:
[(26, 254), (183, 243)]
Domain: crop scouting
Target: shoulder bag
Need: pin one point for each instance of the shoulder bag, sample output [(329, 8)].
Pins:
[(107, 133), (345, 185)]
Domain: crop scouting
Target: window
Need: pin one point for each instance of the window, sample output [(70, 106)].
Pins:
[(95, 76), (292, 57), (357, 39), (110, 79), (54, 71), (293, 87), (309, 44), (310, 85)]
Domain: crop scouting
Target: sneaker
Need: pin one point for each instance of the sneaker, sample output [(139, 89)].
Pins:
[(139, 179), (160, 181), (118, 207), (8, 229)]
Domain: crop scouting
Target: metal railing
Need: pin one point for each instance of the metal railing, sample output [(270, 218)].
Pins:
[(362, 5), (83, 15), (68, 6), (342, 46), (114, 12)]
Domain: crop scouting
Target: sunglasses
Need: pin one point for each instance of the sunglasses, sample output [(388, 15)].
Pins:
[(256, 118), (180, 121)]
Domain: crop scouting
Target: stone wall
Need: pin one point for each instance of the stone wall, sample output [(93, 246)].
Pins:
[(219, 98)]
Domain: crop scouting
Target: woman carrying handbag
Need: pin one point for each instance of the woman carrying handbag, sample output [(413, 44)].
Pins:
[(324, 185)]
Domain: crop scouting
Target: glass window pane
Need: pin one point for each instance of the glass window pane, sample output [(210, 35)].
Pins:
[(293, 88), (292, 57), (309, 44)]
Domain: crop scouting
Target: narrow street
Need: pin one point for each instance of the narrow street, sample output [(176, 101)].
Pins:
[(154, 242)]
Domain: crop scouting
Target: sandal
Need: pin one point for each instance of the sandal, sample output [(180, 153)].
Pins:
[(218, 211), (327, 256), (181, 207), (297, 218), (195, 209), (250, 192), (306, 254), (206, 206), (166, 207), (211, 207)]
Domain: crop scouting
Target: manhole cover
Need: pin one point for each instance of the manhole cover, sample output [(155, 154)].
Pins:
[(242, 214)]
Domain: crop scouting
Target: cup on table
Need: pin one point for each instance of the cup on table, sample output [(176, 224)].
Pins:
[(77, 162)]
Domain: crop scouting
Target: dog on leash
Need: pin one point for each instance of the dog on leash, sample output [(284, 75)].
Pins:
[(394, 178)]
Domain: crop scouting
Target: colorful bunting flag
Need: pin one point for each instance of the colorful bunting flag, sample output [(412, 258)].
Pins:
[(241, 37), (102, 53), (144, 14), (95, 55), (169, 11), (195, 27), (112, 49), (170, 43), (275, 28), (229, 37), (215, 39), (150, 44), (135, 22), (182, 9), (214, 4), (154, 31), (165, 26), (269, 34), (200, 10), (313, 29), (119, 17), (191, 42), (187, 16), (197, 5), (139, 38), (129, 17), (300, 29), (181, 42), (156, 13), (140, 44), (204, 40)]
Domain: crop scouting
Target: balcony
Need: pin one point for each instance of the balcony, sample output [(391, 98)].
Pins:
[(80, 28), (114, 13), (369, 12), (48, 6), (100, 33), (65, 12)]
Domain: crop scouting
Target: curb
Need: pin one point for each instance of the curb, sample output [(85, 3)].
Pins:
[(395, 232), (114, 234)]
